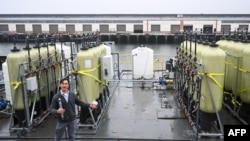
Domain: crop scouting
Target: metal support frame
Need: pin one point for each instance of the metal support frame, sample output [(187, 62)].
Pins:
[(220, 131), (30, 122), (182, 80), (94, 126), (235, 109)]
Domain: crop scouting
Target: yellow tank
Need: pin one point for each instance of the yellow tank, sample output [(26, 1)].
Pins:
[(229, 60), (194, 49), (236, 75), (96, 53), (55, 71), (199, 48), (33, 62), (184, 59), (86, 84), (213, 60), (179, 51), (202, 45), (45, 82), (41, 52), (14, 59), (245, 92), (183, 49), (222, 43), (186, 50)]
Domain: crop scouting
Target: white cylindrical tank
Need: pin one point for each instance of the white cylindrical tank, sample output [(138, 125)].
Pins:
[(143, 58), (104, 51), (63, 48), (7, 82), (213, 60), (64, 52)]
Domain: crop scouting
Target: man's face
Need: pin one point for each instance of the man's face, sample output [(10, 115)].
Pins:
[(64, 86)]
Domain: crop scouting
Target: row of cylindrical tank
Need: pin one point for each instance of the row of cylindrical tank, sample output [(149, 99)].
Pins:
[(47, 64), (237, 77), (211, 61), (20, 64)]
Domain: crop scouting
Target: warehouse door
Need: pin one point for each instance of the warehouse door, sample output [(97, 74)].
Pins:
[(104, 28), (155, 28), (4, 28), (53, 28), (138, 28), (87, 28), (70, 29), (121, 28), (174, 29), (20, 28), (226, 29), (37, 28), (207, 29)]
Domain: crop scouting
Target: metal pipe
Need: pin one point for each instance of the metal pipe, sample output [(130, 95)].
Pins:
[(45, 43), (27, 47), (71, 48), (26, 101)]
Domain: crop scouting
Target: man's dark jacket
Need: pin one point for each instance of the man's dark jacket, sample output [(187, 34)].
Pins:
[(69, 113)]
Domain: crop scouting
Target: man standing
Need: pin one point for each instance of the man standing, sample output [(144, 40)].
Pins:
[(63, 104)]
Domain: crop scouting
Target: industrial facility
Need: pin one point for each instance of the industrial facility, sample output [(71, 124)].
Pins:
[(124, 28), (189, 94)]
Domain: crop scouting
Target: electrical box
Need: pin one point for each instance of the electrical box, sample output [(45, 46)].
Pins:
[(107, 67), (31, 83)]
